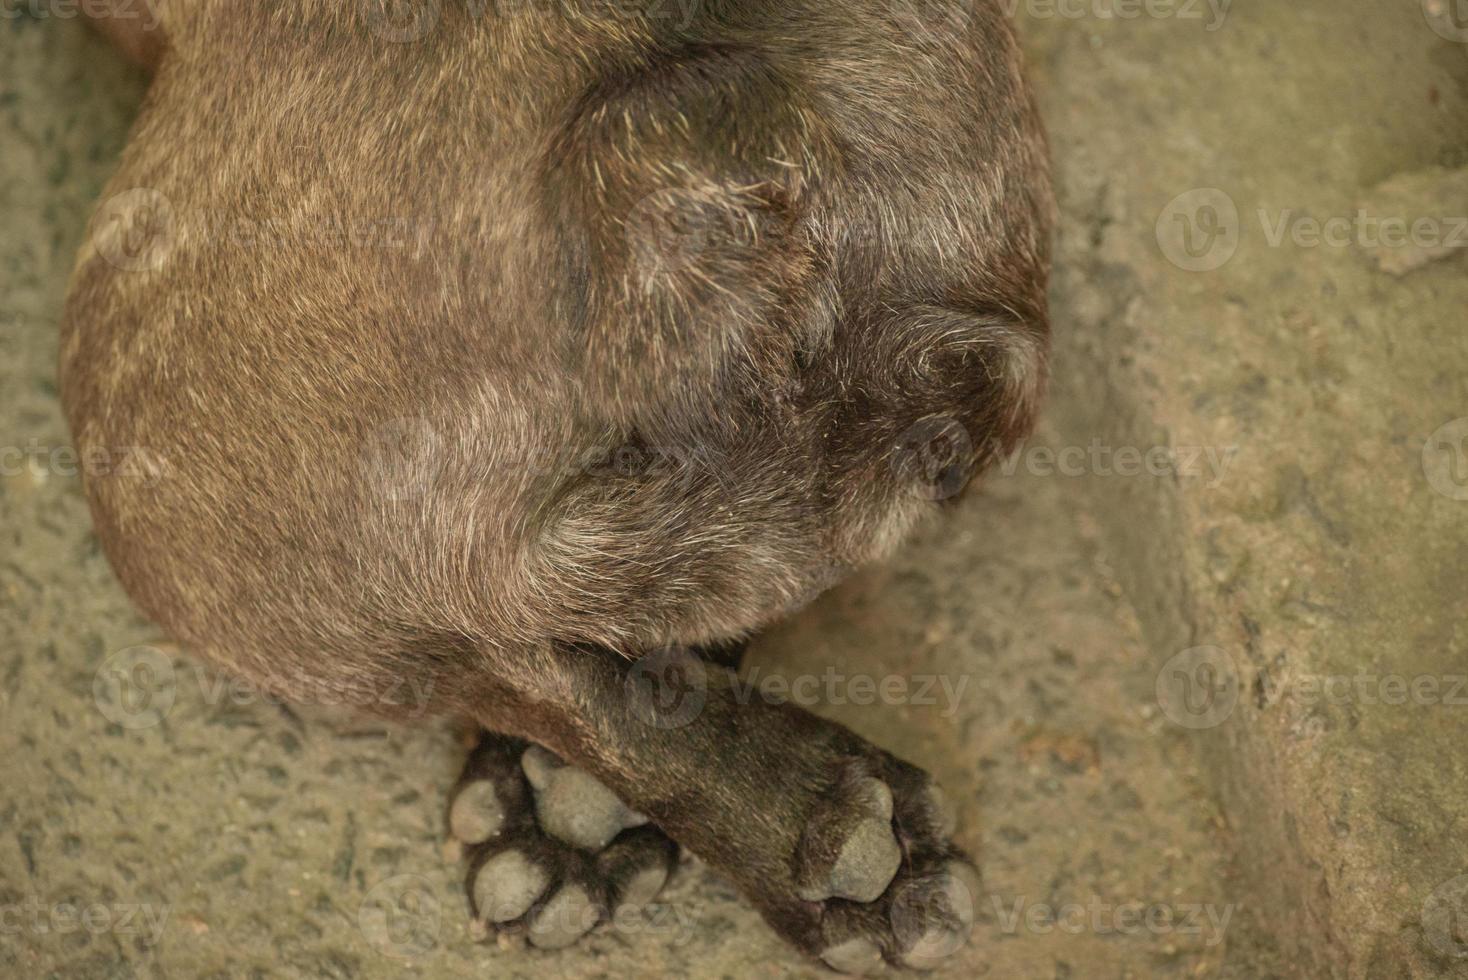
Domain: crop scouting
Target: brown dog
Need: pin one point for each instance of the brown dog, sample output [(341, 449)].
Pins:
[(541, 350)]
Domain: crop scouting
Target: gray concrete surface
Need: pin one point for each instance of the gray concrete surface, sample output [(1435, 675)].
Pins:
[(1226, 814), (1328, 567)]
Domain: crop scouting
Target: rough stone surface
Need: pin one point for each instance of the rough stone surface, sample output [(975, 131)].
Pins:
[(211, 832), (1327, 563)]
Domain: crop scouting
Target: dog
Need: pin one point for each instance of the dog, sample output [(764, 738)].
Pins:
[(540, 352)]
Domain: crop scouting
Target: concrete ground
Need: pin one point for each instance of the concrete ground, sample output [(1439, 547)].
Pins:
[(1166, 701)]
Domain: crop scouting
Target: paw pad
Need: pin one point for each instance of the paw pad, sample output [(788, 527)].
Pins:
[(477, 813), (551, 850), (572, 806), (850, 851), (507, 885)]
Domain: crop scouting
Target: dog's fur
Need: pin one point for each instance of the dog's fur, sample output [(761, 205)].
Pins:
[(754, 253)]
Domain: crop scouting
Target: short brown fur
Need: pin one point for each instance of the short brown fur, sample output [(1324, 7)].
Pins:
[(758, 254)]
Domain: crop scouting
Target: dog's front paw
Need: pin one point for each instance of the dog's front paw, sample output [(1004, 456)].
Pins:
[(551, 852), (876, 854)]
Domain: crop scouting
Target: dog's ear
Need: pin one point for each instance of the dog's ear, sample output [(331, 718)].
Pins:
[(679, 188), (134, 26)]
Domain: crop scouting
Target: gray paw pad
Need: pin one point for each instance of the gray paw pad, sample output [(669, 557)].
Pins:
[(507, 885), (644, 886), (932, 917), (572, 806), (868, 862), (477, 813), (856, 956), (569, 915), (868, 858)]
